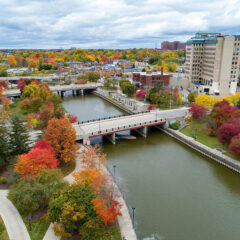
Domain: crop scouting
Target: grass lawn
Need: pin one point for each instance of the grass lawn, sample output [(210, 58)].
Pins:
[(3, 231), (195, 127), (38, 227)]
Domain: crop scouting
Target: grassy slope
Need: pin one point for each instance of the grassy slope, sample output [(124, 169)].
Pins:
[(195, 127), (3, 231)]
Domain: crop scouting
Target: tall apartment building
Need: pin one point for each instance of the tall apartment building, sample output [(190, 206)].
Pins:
[(212, 63)]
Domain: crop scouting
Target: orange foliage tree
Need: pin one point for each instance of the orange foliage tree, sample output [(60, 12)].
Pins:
[(11, 60), (95, 175), (93, 158), (36, 160), (61, 135)]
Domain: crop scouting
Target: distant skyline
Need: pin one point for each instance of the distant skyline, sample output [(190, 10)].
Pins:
[(117, 24)]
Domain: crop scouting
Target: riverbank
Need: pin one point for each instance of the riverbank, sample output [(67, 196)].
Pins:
[(114, 102), (203, 149)]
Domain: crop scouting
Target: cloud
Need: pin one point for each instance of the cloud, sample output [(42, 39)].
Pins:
[(111, 23)]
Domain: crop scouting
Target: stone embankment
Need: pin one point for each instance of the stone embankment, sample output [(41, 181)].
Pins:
[(203, 149)]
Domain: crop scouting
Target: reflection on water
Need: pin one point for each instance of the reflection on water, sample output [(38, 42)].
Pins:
[(178, 193)]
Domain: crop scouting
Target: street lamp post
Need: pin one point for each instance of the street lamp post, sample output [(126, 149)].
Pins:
[(99, 125), (133, 209), (114, 172)]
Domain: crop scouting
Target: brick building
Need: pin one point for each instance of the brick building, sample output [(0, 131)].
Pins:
[(149, 79), (176, 45)]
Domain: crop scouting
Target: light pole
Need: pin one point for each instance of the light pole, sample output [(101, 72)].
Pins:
[(99, 124), (133, 209), (114, 172)]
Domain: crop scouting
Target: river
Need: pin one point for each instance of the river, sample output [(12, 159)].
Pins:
[(178, 193)]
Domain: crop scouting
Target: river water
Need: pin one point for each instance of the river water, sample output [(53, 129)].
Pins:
[(178, 194)]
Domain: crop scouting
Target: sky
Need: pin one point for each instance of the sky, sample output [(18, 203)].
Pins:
[(109, 24)]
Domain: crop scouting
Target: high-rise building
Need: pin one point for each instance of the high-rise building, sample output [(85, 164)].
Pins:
[(212, 63)]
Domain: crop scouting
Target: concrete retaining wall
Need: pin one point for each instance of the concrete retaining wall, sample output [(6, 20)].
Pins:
[(119, 105), (124, 221), (203, 149)]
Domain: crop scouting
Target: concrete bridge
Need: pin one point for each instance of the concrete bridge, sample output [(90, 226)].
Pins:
[(61, 89), (140, 122)]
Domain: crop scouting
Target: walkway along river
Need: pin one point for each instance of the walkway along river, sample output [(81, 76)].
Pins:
[(178, 194)]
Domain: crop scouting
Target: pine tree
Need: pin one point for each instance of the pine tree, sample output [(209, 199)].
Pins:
[(4, 153), (19, 138)]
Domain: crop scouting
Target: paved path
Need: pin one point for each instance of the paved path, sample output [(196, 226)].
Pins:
[(13, 221)]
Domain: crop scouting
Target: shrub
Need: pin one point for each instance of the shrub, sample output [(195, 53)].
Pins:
[(3, 180), (175, 125), (37, 191), (234, 146)]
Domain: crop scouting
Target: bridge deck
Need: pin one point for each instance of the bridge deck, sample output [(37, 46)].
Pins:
[(108, 126)]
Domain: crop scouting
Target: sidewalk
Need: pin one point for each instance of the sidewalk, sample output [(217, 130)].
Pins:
[(13, 221)]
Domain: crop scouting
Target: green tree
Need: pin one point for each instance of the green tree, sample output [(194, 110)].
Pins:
[(72, 208), (3, 71), (35, 192), (191, 97), (4, 152), (93, 77), (238, 104), (19, 139)]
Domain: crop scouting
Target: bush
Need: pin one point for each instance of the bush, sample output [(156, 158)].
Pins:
[(234, 146), (3, 180), (175, 125), (34, 193), (72, 208)]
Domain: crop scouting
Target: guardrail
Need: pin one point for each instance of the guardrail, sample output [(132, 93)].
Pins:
[(111, 117)]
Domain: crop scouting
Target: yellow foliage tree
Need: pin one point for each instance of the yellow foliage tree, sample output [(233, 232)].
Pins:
[(205, 100)]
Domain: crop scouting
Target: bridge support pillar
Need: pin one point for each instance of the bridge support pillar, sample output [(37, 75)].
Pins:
[(142, 131), (82, 91), (111, 138), (62, 94), (73, 92)]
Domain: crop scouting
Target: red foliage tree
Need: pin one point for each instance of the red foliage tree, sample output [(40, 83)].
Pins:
[(44, 145), (175, 94), (217, 106), (73, 119), (116, 56), (107, 212), (151, 107), (141, 93), (33, 162), (234, 146), (21, 83), (227, 131), (197, 111), (226, 113)]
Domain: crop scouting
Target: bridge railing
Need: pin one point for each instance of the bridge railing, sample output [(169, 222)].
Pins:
[(111, 117)]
